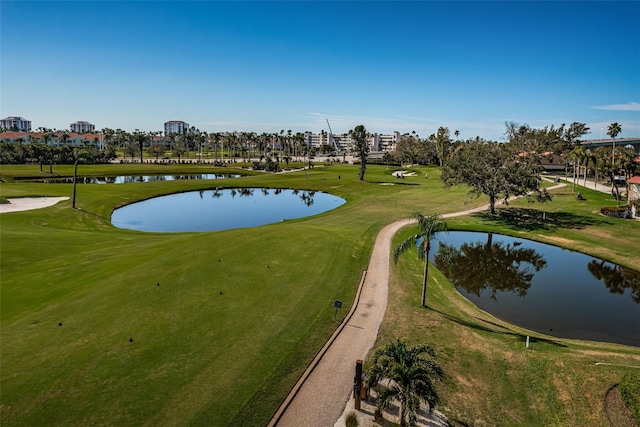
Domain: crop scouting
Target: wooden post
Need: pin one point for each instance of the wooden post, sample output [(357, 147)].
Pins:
[(357, 384)]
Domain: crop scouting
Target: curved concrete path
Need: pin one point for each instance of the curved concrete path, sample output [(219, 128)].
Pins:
[(321, 398), (322, 393)]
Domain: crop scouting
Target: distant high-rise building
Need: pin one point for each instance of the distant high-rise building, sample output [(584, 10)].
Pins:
[(175, 126), (16, 124), (82, 127)]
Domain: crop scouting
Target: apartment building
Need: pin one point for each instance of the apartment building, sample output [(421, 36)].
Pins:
[(175, 126), (82, 127), (16, 124), (344, 142)]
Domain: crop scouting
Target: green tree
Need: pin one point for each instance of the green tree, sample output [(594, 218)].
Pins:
[(495, 170), (428, 226), (442, 140), (156, 149), (411, 373), (140, 138), (360, 143), (410, 150), (613, 130)]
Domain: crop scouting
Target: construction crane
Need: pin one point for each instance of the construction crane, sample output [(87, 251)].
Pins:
[(331, 138)]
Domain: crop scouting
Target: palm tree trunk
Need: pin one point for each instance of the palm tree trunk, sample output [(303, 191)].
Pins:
[(424, 279), (75, 179)]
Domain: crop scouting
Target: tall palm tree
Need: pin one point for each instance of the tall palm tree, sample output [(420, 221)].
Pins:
[(140, 138), (411, 373), (428, 226), (613, 130)]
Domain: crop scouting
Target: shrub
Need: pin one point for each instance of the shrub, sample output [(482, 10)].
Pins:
[(352, 420), (630, 393), (615, 212)]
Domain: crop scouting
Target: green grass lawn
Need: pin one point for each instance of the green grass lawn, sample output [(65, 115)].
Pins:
[(239, 314)]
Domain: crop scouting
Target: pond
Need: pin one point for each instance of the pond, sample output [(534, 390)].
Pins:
[(222, 209), (542, 287), (127, 179)]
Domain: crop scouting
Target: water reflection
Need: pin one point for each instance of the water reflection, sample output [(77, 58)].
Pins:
[(495, 266), (617, 279), (222, 209), (128, 179), (542, 287)]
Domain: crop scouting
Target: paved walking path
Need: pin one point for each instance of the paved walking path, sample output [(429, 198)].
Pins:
[(322, 397), (323, 394)]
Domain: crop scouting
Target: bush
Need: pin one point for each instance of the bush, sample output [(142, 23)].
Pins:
[(352, 420), (630, 393), (615, 212)]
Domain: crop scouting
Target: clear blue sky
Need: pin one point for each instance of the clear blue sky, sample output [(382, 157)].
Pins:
[(266, 66)]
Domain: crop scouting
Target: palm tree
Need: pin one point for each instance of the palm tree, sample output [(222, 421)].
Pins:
[(428, 226), (410, 372), (613, 130)]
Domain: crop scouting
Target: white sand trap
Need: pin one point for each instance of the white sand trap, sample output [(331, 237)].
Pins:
[(403, 173), (28, 203)]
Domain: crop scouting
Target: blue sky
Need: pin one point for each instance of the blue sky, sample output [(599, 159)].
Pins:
[(266, 66)]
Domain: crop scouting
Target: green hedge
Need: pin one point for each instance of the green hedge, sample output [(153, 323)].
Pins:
[(615, 212), (630, 392)]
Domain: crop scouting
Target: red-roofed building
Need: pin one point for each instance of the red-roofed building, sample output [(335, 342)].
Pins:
[(551, 161), (54, 138)]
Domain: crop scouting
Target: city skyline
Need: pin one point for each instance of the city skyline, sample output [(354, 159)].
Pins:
[(267, 66)]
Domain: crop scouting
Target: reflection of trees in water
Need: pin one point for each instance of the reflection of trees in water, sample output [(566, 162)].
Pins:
[(307, 197), (616, 278), (494, 266)]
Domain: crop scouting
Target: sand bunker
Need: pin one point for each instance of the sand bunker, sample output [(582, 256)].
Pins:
[(402, 174), (29, 203)]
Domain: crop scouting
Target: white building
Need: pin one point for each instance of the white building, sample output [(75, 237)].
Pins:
[(385, 142), (16, 124), (344, 142), (175, 126), (82, 127)]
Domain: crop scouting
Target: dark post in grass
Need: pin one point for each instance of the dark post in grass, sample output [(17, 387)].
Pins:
[(357, 384), (75, 179)]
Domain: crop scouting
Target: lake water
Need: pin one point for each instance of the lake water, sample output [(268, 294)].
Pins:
[(222, 209), (542, 287), (127, 179)]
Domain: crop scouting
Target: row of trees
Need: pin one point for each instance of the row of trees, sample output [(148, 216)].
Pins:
[(43, 154), (236, 145), (283, 145)]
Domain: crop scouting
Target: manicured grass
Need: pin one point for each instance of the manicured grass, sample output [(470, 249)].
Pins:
[(492, 379), (198, 356), (239, 314)]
